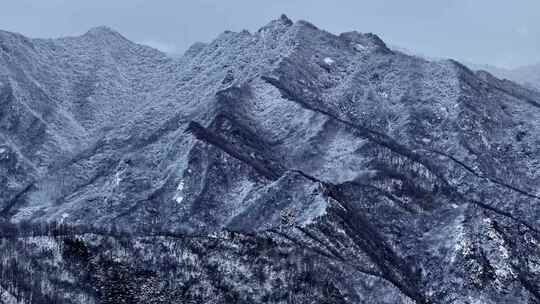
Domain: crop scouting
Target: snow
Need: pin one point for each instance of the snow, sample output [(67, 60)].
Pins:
[(117, 178), (148, 92), (178, 197), (2, 150), (25, 212), (316, 210), (329, 61), (359, 47)]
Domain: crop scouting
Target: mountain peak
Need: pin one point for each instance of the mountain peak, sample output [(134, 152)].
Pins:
[(282, 22), (103, 31), (369, 40), (285, 20)]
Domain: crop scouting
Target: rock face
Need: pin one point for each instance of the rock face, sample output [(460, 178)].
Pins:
[(289, 165)]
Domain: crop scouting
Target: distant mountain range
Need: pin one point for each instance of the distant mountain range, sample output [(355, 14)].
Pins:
[(528, 75), (289, 165)]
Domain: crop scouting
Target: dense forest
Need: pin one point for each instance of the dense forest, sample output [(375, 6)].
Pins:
[(55, 263)]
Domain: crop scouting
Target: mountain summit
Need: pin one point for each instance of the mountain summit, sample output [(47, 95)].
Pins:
[(289, 165)]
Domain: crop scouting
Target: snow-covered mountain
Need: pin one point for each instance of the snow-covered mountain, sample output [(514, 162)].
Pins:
[(528, 76), (289, 165)]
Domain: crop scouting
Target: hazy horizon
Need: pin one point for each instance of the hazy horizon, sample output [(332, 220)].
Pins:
[(497, 33)]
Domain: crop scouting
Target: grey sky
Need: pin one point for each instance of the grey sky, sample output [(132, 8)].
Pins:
[(498, 32)]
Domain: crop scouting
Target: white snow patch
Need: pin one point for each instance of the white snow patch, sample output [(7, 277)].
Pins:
[(178, 197), (117, 178), (180, 186), (313, 212), (317, 208), (25, 213), (358, 47), (341, 231), (329, 61), (2, 150)]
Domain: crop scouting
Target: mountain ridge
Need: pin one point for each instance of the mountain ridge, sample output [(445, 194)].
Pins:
[(419, 174)]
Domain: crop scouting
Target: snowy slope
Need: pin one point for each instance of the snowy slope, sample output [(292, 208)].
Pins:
[(528, 76), (413, 179)]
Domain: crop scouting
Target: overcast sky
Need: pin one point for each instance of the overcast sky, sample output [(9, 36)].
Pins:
[(504, 33)]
